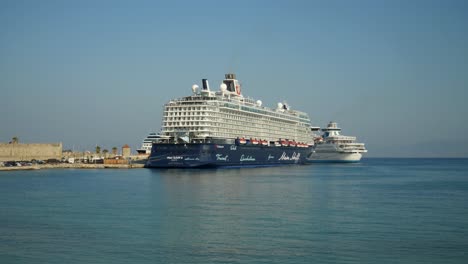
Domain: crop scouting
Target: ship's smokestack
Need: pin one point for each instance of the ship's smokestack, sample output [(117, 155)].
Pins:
[(230, 76), (206, 86)]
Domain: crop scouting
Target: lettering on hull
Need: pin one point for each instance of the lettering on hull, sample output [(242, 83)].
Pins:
[(246, 158), (294, 156), (230, 155), (221, 157), (174, 157)]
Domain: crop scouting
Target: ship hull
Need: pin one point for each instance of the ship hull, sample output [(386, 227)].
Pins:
[(334, 157), (223, 155)]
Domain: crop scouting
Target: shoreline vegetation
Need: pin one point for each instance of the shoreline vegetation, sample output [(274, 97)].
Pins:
[(73, 166)]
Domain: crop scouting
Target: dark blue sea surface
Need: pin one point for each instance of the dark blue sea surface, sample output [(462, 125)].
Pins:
[(376, 211)]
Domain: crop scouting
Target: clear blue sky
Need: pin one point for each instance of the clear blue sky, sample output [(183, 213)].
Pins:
[(393, 73)]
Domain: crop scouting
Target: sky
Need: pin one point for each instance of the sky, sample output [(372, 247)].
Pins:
[(87, 73)]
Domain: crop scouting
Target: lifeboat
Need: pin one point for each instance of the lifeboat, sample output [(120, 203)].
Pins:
[(254, 141), (242, 141), (277, 144), (284, 143), (292, 143), (264, 142)]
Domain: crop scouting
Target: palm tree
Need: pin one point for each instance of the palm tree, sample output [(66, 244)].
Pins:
[(105, 151), (114, 150), (98, 149), (15, 140)]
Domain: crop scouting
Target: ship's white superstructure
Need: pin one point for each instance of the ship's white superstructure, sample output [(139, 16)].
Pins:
[(226, 115), (148, 143), (334, 147)]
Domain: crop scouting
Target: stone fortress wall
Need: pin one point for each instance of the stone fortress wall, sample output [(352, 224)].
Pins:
[(26, 152)]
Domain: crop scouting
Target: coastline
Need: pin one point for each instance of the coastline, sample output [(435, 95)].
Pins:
[(73, 166)]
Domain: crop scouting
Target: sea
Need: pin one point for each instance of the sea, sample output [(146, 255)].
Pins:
[(375, 211)]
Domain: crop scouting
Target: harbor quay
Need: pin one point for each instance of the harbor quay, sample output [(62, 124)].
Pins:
[(20, 156), (73, 166)]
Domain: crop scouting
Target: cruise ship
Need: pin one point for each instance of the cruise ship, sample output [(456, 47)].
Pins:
[(147, 143), (331, 146), (224, 128)]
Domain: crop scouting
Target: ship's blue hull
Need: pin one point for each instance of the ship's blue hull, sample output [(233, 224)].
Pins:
[(223, 155)]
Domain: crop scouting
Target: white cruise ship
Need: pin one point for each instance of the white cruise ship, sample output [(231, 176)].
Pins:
[(147, 143), (225, 128), (331, 146)]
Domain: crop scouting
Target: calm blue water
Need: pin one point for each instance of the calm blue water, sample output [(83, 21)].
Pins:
[(378, 211)]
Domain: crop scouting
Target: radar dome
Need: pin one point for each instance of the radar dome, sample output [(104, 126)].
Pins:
[(223, 87), (194, 88), (259, 103), (280, 106)]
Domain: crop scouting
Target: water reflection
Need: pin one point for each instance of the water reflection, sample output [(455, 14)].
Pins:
[(226, 211), (225, 172), (320, 213)]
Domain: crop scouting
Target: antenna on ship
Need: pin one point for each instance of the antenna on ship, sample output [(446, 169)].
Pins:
[(223, 88), (194, 88), (279, 107)]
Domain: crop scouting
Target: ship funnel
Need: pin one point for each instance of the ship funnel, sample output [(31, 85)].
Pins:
[(206, 86), (230, 76)]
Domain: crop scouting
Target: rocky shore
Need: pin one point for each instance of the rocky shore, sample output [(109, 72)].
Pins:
[(73, 166)]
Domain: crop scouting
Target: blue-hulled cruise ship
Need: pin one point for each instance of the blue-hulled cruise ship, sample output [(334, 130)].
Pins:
[(224, 128)]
